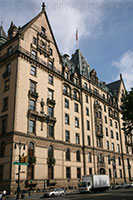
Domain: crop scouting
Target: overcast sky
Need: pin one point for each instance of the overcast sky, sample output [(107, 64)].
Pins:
[(105, 31)]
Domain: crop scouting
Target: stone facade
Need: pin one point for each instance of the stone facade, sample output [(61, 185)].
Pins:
[(58, 109)]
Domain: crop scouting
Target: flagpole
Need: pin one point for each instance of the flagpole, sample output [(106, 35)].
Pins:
[(77, 38)]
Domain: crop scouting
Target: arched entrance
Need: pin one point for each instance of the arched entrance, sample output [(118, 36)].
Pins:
[(102, 171)]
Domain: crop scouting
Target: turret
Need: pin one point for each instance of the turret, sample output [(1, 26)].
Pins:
[(3, 37)]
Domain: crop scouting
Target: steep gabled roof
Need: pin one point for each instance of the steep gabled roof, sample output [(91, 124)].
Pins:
[(82, 65), (114, 85), (26, 26)]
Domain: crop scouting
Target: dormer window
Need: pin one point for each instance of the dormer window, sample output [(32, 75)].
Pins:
[(66, 75), (33, 54), (43, 31), (75, 81), (50, 64)]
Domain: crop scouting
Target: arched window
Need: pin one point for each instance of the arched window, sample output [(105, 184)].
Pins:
[(31, 149), (30, 168), (68, 154), (78, 156), (50, 152)]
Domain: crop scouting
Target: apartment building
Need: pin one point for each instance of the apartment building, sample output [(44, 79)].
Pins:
[(55, 109)]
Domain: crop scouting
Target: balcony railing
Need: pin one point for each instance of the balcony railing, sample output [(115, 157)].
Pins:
[(33, 94)]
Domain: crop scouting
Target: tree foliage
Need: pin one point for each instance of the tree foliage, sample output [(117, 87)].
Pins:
[(127, 112)]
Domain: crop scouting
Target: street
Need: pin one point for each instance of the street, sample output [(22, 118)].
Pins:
[(120, 194)]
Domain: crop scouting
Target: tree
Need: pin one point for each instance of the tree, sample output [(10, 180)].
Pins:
[(127, 112)]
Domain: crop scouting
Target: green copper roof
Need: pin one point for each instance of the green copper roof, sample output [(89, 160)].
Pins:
[(3, 37), (2, 33)]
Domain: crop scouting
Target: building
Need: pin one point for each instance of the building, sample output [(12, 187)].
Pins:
[(55, 110)]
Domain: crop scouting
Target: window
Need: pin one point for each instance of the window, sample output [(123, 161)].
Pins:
[(30, 168), (118, 148), (50, 111), (50, 94), (65, 90), (50, 152), (113, 147), (34, 41), (50, 79), (4, 125), (110, 122), (2, 149), (89, 140), (100, 158), (90, 171), (67, 135), (78, 172), (33, 54), (43, 31), (116, 125), (106, 119), (112, 135), (85, 85), (104, 108), (68, 154), (66, 118), (33, 70), (1, 172), (31, 126), (43, 45), (78, 156), (120, 173), (66, 103), (76, 122), (106, 131), (89, 157), (6, 85), (107, 143), (50, 64), (66, 75), (76, 108), (99, 142), (8, 68), (88, 125), (77, 138), (117, 136), (51, 131), (110, 174), (51, 52), (75, 81), (86, 99), (87, 111), (74, 94), (68, 172), (103, 96), (109, 159), (5, 104), (119, 161), (32, 104), (32, 86)]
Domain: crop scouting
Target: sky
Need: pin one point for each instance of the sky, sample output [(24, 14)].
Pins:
[(105, 31)]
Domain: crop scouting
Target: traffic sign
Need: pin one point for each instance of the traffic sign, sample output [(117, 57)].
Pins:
[(19, 163)]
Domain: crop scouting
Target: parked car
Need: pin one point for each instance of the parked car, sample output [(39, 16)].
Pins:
[(54, 192), (124, 185)]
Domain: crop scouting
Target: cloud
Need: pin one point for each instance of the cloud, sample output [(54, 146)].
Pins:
[(66, 16), (125, 66)]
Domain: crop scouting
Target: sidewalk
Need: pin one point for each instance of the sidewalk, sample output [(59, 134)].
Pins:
[(39, 195)]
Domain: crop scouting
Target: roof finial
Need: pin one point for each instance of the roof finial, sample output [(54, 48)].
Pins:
[(43, 6), (120, 76), (1, 23)]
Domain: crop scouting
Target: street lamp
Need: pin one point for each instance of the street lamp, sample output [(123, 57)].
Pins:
[(20, 145)]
